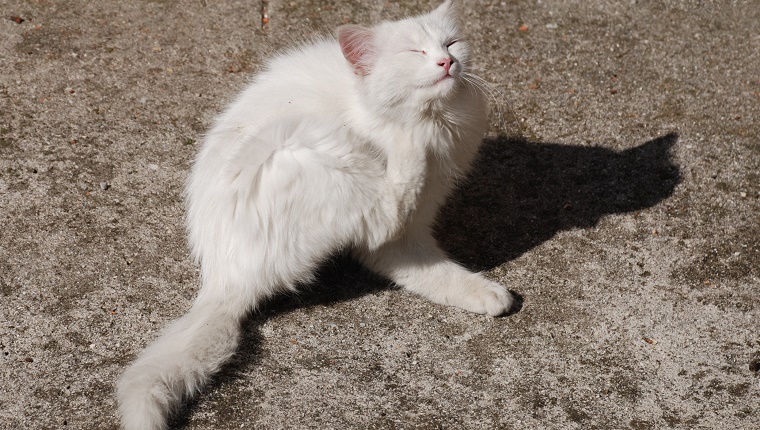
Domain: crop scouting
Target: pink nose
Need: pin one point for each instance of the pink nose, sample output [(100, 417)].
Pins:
[(445, 63)]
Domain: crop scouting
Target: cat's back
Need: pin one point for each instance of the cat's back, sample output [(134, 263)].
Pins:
[(310, 80)]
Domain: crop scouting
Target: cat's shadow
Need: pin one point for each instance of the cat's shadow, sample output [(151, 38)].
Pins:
[(522, 193), (519, 195)]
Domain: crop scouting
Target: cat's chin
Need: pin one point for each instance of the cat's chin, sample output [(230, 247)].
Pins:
[(444, 80), (444, 86)]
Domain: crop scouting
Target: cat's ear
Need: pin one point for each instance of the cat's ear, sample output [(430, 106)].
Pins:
[(450, 10), (358, 47)]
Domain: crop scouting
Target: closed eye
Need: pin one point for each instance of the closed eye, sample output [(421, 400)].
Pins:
[(448, 45), (423, 52)]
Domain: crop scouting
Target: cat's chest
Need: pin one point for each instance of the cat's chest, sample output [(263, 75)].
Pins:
[(434, 138), (447, 152)]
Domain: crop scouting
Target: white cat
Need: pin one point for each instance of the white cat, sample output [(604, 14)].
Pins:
[(350, 143)]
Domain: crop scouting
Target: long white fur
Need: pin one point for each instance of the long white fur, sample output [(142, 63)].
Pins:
[(319, 154)]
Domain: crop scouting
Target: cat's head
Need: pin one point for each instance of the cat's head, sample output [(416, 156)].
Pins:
[(412, 64)]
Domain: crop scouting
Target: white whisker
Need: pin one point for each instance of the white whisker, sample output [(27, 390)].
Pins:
[(498, 97)]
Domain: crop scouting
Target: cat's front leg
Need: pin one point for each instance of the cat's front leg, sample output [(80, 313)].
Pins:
[(416, 263)]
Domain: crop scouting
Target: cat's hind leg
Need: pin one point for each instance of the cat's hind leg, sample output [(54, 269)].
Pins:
[(399, 194), (416, 263)]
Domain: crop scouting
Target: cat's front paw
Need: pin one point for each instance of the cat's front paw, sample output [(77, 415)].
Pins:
[(487, 298)]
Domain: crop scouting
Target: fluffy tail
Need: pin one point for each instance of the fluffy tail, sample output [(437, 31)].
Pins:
[(179, 362)]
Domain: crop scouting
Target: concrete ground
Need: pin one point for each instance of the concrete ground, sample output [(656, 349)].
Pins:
[(618, 194)]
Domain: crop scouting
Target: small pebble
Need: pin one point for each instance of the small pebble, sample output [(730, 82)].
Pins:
[(551, 26), (743, 194), (152, 166), (104, 186)]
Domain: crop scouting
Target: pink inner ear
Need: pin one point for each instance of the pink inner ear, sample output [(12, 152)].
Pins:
[(356, 44)]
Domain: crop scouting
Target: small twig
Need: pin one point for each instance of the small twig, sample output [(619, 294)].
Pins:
[(264, 14)]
